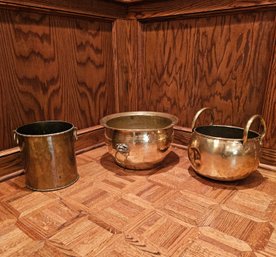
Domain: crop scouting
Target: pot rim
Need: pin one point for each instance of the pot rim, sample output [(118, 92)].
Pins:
[(225, 138), (45, 135), (174, 120)]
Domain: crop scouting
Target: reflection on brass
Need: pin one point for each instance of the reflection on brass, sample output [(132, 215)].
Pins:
[(48, 153), (225, 153), (139, 140)]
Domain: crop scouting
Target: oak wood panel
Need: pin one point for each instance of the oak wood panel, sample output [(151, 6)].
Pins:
[(168, 211), (163, 9), (94, 8), (126, 37), (219, 61), (268, 156), (53, 68), (269, 107)]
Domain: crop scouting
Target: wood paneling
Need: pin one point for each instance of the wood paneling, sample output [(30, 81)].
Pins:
[(53, 68), (163, 9), (126, 35), (95, 8), (167, 211), (219, 61), (269, 107)]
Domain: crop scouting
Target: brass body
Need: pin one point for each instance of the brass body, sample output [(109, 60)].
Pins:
[(225, 153), (48, 153), (139, 140)]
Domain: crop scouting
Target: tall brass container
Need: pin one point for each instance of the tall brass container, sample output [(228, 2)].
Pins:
[(48, 153)]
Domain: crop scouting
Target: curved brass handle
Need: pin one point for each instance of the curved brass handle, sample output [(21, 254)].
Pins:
[(194, 157), (75, 133), (122, 149), (15, 137), (248, 125), (200, 112)]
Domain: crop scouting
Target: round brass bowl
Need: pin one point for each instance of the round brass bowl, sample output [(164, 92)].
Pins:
[(225, 153), (139, 140)]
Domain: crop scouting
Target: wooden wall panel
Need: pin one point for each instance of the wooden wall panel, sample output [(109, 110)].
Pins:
[(53, 68), (269, 107), (220, 61), (126, 38)]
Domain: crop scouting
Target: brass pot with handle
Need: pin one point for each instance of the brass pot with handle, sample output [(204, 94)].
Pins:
[(222, 152), (139, 140)]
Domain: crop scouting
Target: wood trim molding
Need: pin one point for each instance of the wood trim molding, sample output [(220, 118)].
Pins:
[(136, 9), (107, 10), (11, 163), (146, 10)]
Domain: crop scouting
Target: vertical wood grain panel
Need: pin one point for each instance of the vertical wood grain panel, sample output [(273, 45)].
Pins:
[(269, 107), (53, 68), (219, 61), (126, 39)]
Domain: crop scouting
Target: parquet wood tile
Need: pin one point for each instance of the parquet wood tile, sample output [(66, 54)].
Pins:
[(166, 211), (14, 241), (252, 203)]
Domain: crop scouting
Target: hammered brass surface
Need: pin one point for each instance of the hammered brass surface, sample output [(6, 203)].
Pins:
[(225, 153), (139, 140), (48, 152)]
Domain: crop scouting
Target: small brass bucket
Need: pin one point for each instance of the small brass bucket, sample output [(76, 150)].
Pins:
[(225, 153), (48, 153)]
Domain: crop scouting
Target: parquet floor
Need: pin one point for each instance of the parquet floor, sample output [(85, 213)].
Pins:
[(168, 211)]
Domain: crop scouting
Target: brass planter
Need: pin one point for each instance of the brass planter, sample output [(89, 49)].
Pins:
[(139, 140), (225, 153), (48, 153)]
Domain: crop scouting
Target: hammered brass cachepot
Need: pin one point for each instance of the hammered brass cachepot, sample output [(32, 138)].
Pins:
[(139, 140), (225, 153), (48, 153)]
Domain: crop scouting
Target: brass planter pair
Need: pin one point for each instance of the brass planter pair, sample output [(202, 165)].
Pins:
[(225, 153), (139, 140), (48, 153)]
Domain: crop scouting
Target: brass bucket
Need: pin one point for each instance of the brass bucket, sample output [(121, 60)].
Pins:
[(225, 153), (48, 153)]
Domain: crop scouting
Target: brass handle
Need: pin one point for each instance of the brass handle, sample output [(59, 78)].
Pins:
[(15, 137), (194, 157), (75, 133), (122, 149), (200, 112), (248, 125)]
